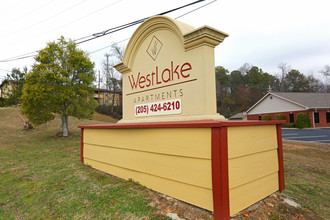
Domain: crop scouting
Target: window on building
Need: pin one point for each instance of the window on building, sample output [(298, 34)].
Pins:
[(291, 116), (316, 117), (328, 117), (259, 117)]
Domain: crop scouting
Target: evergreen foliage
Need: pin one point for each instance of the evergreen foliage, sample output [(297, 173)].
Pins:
[(15, 81), (238, 90), (60, 82), (289, 125), (2, 102), (265, 117), (279, 117), (303, 120), (113, 111)]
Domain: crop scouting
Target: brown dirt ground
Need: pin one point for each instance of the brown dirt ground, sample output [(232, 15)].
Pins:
[(272, 207)]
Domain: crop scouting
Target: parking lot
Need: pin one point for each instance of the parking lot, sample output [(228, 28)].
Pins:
[(319, 135)]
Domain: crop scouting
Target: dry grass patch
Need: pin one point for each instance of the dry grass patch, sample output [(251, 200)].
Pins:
[(307, 176), (42, 178)]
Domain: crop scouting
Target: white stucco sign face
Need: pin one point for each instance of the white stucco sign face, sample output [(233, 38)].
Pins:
[(168, 72)]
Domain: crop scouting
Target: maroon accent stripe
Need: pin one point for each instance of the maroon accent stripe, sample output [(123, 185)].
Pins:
[(184, 124), (161, 87), (280, 158), (82, 145), (220, 179)]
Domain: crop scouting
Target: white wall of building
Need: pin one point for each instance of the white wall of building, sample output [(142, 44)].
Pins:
[(272, 104)]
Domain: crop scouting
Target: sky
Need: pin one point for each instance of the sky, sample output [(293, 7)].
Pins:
[(263, 33)]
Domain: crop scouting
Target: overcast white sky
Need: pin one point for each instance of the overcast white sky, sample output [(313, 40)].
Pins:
[(262, 32)]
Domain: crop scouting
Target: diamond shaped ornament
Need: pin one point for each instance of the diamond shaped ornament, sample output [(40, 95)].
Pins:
[(154, 47)]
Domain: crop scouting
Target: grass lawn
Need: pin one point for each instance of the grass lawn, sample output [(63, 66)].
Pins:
[(307, 175), (41, 177)]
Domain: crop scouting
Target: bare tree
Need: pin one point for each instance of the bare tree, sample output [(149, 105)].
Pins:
[(326, 71), (315, 84), (112, 77), (106, 71), (326, 74), (245, 68), (117, 52), (285, 69)]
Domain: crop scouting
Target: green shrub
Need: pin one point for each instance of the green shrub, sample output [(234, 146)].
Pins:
[(279, 117), (265, 117), (113, 111), (289, 125), (303, 120), (2, 102)]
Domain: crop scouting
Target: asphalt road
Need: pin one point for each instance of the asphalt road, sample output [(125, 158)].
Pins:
[(319, 135)]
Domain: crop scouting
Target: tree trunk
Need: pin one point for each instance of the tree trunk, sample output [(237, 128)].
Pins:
[(65, 127)]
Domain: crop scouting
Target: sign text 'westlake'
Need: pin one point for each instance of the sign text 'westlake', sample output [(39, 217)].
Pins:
[(160, 76)]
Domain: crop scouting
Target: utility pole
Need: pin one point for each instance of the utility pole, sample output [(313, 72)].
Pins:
[(107, 71), (98, 90)]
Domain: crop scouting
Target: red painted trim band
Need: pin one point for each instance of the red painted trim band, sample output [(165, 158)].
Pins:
[(220, 178), (280, 158), (82, 145), (184, 124)]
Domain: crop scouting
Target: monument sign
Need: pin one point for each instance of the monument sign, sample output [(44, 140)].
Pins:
[(188, 152), (168, 72)]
